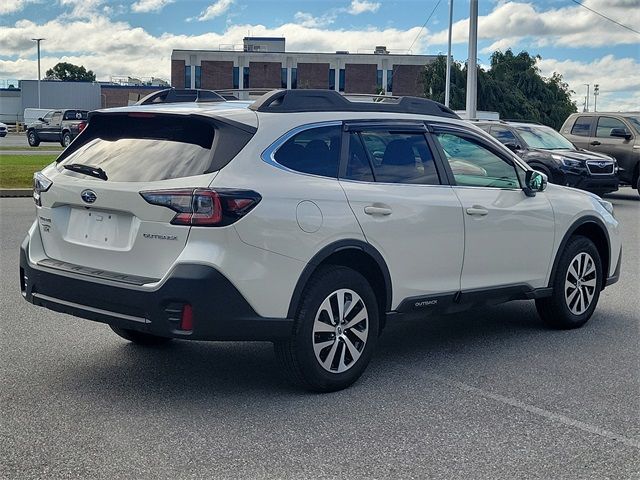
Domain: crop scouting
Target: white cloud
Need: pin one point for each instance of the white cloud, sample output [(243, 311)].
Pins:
[(361, 6), (215, 10), (142, 6), (13, 6), (305, 19), (571, 26)]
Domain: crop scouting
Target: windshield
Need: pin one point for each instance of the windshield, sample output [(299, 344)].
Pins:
[(635, 121), (545, 138)]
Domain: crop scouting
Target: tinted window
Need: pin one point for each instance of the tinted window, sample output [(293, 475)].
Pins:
[(475, 165), (358, 166), (314, 151), (582, 127), (503, 135), (400, 157), (605, 124), (145, 149), (75, 115)]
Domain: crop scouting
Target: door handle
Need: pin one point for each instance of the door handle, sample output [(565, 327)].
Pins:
[(375, 210), (477, 210), (595, 143)]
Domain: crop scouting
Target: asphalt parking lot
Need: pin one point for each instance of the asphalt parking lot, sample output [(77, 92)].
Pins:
[(487, 394)]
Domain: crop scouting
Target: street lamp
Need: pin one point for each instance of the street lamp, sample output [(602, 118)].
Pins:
[(586, 103), (38, 40), (596, 92)]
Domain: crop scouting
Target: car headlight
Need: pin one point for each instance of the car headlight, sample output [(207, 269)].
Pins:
[(608, 206), (567, 162)]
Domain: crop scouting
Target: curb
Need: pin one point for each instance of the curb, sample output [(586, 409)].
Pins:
[(15, 192)]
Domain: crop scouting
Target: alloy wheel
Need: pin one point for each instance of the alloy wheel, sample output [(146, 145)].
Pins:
[(580, 283), (340, 330)]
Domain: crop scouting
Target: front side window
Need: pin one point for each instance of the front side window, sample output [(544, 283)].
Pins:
[(57, 116), (606, 124), (315, 151), (474, 165), (503, 135), (47, 117), (582, 127), (395, 157)]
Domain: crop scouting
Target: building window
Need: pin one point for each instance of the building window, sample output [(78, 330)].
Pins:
[(198, 76), (245, 77), (236, 77), (294, 78), (332, 79), (187, 76), (389, 81), (283, 77), (378, 80), (341, 80)]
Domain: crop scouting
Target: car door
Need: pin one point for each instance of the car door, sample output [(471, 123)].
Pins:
[(508, 235), (42, 126), (579, 133), (54, 127), (618, 147), (399, 194)]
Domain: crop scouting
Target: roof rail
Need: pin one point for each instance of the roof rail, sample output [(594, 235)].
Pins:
[(290, 101), (521, 121), (172, 95)]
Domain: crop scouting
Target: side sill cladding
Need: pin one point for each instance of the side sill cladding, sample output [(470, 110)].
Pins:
[(326, 252), (572, 230)]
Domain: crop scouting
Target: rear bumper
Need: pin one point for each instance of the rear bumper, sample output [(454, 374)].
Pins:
[(220, 312)]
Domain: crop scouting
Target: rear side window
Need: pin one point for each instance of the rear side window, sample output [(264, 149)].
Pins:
[(582, 127), (315, 151), (606, 124), (145, 148), (394, 157)]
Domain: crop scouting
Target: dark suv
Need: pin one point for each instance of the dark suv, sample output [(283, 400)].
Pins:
[(616, 134), (547, 151), (57, 126)]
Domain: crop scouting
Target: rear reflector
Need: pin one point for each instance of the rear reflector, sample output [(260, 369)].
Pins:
[(186, 321), (204, 207)]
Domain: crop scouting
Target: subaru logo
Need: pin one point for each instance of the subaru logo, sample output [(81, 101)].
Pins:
[(88, 196), (602, 164)]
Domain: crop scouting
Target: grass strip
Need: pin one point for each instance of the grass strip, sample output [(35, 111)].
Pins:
[(16, 171)]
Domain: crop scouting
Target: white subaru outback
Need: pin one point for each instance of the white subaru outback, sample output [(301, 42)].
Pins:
[(308, 219)]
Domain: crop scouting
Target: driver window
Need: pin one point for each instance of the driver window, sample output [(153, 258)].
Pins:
[(56, 117), (48, 116), (474, 165)]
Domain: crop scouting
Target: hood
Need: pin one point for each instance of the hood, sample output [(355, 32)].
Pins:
[(579, 154)]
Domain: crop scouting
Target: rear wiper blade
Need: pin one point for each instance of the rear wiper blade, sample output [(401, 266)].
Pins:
[(87, 170)]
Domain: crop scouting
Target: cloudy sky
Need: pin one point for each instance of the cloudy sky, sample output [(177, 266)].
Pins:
[(118, 38)]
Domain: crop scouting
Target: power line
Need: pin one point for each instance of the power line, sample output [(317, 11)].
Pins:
[(424, 25), (604, 16)]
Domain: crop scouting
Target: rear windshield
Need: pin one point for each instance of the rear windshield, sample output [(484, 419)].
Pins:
[(75, 115), (144, 149)]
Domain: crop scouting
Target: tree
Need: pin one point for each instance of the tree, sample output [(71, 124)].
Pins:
[(512, 86), (71, 73)]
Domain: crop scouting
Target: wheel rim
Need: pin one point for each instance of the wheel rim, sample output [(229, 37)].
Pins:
[(32, 138), (66, 140), (580, 283), (340, 330)]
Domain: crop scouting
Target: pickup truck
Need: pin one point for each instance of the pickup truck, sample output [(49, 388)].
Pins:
[(57, 126)]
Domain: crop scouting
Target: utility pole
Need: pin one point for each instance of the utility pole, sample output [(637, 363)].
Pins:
[(38, 40), (586, 102), (472, 74), (596, 92), (447, 88)]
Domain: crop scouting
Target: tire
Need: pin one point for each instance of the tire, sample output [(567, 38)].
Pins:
[(322, 355), (140, 338), (570, 306), (66, 139), (32, 138), (638, 184)]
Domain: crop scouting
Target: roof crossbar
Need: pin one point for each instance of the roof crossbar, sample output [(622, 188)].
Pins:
[(292, 101)]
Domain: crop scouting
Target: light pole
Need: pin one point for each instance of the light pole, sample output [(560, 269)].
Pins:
[(596, 92), (586, 103), (38, 40), (447, 88), (472, 76)]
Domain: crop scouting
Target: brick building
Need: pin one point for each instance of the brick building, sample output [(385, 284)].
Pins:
[(264, 63)]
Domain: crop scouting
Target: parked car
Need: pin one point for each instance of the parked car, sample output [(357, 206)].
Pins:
[(3, 129), (308, 220), (547, 151), (616, 134), (57, 126)]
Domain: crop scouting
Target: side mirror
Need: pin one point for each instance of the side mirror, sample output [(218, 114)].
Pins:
[(534, 182), (41, 119), (514, 147), (620, 133)]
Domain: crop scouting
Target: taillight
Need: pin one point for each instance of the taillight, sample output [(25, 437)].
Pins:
[(204, 207), (40, 184), (81, 126)]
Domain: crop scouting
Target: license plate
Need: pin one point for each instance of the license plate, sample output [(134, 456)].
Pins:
[(93, 227)]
